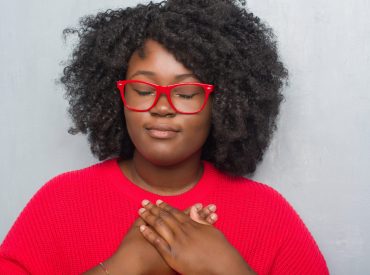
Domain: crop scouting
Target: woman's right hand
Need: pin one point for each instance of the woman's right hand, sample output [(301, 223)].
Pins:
[(183, 242), (136, 256)]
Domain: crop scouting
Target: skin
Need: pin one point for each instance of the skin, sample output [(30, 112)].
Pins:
[(137, 256), (164, 166), (134, 249), (169, 166), (182, 242)]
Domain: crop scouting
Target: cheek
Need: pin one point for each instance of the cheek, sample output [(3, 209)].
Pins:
[(199, 127), (133, 120)]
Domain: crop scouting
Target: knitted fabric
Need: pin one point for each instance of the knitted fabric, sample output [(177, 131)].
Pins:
[(79, 219)]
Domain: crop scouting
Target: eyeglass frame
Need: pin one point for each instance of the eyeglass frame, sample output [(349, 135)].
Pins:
[(166, 90)]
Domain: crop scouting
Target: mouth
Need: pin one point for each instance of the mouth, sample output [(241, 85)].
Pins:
[(162, 131)]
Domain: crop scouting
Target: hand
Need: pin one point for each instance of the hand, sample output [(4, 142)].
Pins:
[(136, 256), (187, 246), (141, 257), (203, 215)]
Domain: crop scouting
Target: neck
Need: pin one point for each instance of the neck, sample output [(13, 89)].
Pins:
[(164, 180)]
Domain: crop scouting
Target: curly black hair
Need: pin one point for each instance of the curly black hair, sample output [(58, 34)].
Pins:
[(218, 40)]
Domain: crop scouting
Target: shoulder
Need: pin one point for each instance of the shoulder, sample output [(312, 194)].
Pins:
[(269, 217), (242, 187), (66, 193), (261, 204), (97, 169), (253, 199), (73, 184)]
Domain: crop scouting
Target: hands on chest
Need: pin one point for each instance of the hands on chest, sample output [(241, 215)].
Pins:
[(188, 243), (165, 240)]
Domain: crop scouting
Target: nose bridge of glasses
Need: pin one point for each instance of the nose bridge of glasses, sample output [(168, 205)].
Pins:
[(164, 98), (163, 90)]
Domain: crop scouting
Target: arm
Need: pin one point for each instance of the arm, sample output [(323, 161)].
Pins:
[(30, 235)]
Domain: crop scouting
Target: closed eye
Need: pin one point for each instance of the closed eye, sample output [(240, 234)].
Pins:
[(187, 96), (144, 93)]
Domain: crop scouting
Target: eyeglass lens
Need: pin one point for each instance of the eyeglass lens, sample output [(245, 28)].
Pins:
[(185, 98)]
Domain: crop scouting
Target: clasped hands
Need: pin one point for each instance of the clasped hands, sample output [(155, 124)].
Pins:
[(181, 245)]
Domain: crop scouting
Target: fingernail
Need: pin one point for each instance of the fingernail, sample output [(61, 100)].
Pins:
[(141, 210), (145, 202), (213, 216), (142, 227), (158, 202), (212, 207), (198, 206)]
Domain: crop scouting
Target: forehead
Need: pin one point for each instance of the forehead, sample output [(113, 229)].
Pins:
[(156, 59)]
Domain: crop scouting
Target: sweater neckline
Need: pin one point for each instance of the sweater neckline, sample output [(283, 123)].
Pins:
[(196, 194)]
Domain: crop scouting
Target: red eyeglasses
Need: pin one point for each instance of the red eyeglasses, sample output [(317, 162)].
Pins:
[(184, 98)]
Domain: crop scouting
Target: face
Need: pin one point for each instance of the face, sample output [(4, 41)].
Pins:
[(161, 135)]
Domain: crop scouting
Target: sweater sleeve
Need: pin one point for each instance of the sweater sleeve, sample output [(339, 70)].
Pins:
[(298, 253), (30, 245)]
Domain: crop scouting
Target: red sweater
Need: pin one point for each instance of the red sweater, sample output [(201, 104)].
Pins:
[(79, 218)]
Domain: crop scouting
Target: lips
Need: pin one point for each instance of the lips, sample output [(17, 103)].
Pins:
[(162, 131)]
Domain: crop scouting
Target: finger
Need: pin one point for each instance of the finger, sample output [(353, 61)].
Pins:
[(211, 219), (206, 211), (180, 216), (198, 207), (139, 221), (157, 223), (208, 220), (162, 214), (147, 204), (156, 240), (194, 215)]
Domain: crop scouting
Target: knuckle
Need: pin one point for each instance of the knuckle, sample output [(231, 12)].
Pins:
[(204, 213), (163, 214), (145, 214), (168, 208), (162, 205), (187, 225), (149, 207), (158, 222), (151, 236), (157, 241), (173, 211)]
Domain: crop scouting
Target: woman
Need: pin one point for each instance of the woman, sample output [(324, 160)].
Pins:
[(179, 99)]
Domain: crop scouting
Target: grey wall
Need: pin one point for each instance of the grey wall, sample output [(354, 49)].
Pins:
[(320, 156)]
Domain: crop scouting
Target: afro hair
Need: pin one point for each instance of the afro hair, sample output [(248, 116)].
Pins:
[(218, 40)]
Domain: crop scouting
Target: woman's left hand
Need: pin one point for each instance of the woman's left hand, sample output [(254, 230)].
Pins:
[(187, 246)]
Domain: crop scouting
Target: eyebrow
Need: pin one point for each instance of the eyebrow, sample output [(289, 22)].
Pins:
[(149, 73)]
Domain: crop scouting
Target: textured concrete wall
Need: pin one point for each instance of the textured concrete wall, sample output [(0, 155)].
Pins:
[(319, 158)]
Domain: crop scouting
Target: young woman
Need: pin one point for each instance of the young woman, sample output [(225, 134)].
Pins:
[(179, 100)]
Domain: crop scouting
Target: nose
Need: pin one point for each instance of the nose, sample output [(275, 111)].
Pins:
[(162, 107)]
